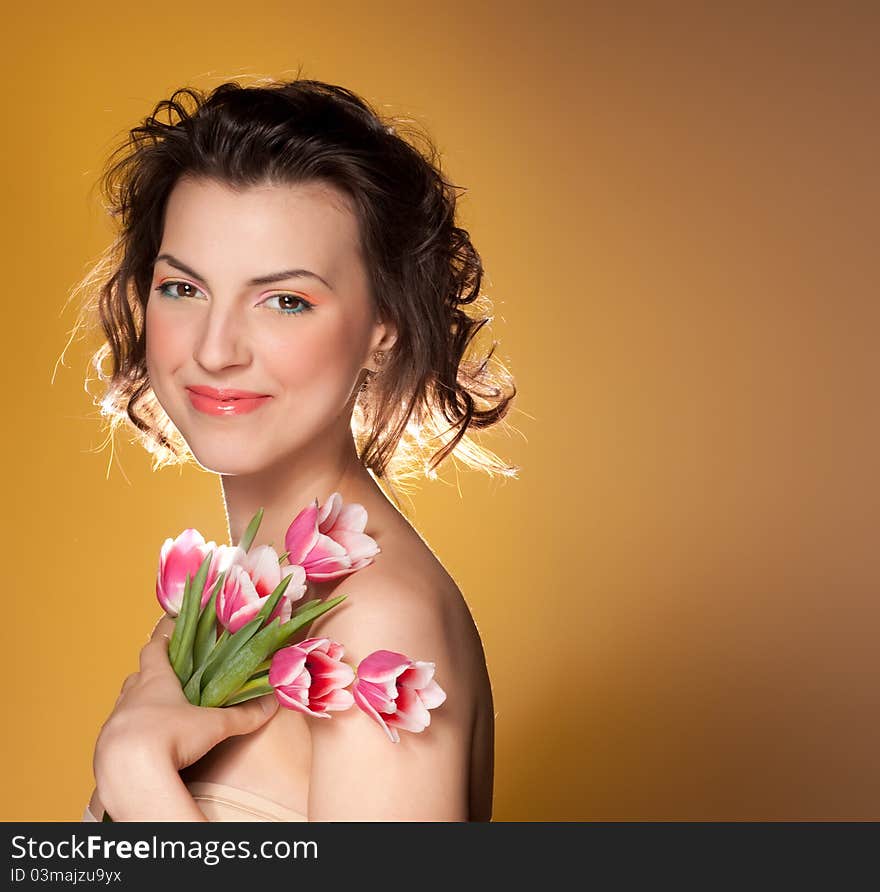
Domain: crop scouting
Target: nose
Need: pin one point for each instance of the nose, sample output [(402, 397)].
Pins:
[(222, 340)]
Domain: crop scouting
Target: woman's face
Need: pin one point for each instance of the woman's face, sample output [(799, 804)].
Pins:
[(302, 341)]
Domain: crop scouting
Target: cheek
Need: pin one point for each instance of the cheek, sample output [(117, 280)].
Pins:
[(326, 355), (165, 342)]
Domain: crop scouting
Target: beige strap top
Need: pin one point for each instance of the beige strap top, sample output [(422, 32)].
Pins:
[(220, 802)]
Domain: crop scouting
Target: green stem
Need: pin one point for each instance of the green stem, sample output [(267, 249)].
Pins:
[(263, 667), (255, 687)]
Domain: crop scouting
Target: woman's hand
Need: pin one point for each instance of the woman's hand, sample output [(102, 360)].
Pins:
[(152, 719)]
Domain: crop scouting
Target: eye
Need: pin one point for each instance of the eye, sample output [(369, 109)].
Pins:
[(293, 304), (289, 306), (171, 283)]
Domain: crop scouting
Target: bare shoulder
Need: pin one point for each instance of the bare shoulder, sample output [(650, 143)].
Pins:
[(407, 602), (404, 602)]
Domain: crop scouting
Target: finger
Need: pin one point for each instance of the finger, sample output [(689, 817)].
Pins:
[(165, 625), (246, 717), (154, 654), (129, 681)]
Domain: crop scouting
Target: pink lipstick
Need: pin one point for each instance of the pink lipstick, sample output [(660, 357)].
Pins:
[(227, 401)]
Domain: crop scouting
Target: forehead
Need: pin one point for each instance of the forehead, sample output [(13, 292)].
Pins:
[(226, 229)]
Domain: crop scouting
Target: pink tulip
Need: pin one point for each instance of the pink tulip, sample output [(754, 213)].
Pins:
[(309, 677), (249, 581), (397, 692), (330, 541), (185, 555)]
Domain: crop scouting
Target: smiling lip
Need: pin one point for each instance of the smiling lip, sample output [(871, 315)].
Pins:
[(225, 393), (225, 402)]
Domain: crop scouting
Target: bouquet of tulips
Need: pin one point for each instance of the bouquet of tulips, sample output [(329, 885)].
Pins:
[(229, 624), (235, 616)]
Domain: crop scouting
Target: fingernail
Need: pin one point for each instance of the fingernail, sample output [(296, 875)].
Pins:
[(269, 703)]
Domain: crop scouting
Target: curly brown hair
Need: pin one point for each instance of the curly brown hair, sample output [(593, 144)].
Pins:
[(423, 268)]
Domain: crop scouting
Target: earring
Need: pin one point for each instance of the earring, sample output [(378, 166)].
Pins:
[(378, 359)]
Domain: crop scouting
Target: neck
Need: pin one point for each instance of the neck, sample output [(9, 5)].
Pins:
[(284, 489)]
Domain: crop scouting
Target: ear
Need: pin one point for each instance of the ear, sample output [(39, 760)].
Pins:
[(384, 338)]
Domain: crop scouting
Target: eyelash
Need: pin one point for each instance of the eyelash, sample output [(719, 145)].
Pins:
[(306, 306)]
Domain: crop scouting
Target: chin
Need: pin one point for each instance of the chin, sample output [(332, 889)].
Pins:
[(229, 461)]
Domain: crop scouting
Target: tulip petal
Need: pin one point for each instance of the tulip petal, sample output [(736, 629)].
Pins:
[(178, 557), (243, 616), (418, 675), (330, 574), (364, 704), (263, 568), (302, 534), (236, 593), (329, 512), (310, 644), (335, 650), (291, 702), (283, 609), (352, 518), (328, 676), (380, 697), (337, 700), (170, 600), (180, 562), (295, 590), (324, 664), (326, 549), (358, 546), (383, 666), (287, 665), (432, 695), (190, 538), (226, 555), (297, 571), (411, 713), (359, 565)]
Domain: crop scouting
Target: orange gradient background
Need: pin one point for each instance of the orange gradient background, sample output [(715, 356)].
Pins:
[(678, 216)]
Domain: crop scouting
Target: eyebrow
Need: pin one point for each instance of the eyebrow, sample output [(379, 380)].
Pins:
[(259, 280)]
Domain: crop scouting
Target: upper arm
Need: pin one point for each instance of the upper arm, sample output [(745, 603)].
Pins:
[(358, 773)]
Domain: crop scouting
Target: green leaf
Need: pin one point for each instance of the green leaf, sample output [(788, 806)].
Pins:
[(177, 634), (222, 654), (214, 656), (193, 689), (307, 617), (307, 613), (183, 662), (263, 667), (254, 687), (228, 679), (251, 531), (226, 648), (206, 631), (240, 666), (180, 633), (274, 598), (286, 631), (306, 605)]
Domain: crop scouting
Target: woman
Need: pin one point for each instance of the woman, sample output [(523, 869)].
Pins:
[(284, 242)]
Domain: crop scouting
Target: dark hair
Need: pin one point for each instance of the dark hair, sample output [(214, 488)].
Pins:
[(423, 268)]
